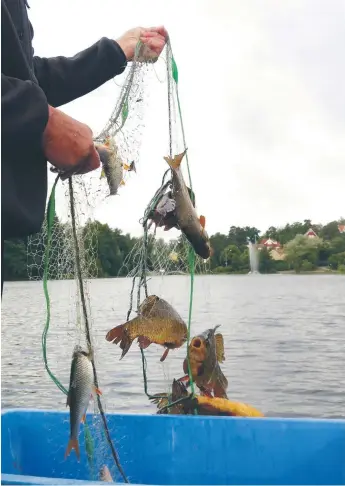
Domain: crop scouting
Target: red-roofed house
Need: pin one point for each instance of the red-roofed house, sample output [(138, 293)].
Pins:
[(341, 228), (311, 233), (269, 243), (274, 247)]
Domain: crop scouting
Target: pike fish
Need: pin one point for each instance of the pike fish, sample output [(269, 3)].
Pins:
[(81, 387), (112, 166), (206, 351), (157, 322), (187, 219), (203, 404)]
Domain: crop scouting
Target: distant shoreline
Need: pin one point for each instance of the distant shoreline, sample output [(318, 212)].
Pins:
[(285, 272)]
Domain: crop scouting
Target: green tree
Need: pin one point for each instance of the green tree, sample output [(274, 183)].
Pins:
[(266, 263), (300, 249)]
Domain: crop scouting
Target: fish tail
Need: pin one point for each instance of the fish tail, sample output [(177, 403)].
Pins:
[(73, 444), (120, 335), (132, 167), (175, 162)]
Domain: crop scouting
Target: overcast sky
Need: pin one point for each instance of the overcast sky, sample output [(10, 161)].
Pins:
[(262, 92)]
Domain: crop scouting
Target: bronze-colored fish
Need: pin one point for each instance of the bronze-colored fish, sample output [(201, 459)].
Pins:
[(188, 221), (157, 322), (204, 405), (206, 351)]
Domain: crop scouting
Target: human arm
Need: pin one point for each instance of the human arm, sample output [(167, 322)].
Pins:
[(30, 125), (24, 115), (64, 79)]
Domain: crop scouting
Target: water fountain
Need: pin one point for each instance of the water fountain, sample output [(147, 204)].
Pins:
[(253, 257)]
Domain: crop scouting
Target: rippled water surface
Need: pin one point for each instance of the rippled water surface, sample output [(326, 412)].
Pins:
[(284, 341)]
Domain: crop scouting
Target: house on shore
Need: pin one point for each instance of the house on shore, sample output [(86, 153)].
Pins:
[(311, 233), (274, 247)]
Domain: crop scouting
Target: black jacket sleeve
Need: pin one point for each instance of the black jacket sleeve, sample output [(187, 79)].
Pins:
[(65, 79), (24, 114)]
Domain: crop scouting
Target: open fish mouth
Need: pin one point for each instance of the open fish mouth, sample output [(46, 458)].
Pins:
[(196, 342)]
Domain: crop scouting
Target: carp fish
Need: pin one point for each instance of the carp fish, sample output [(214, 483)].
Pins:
[(81, 387), (112, 166), (157, 322), (204, 405), (206, 351), (186, 216)]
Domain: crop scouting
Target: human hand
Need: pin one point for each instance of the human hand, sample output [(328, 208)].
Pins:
[(68, 145), (153, 39)]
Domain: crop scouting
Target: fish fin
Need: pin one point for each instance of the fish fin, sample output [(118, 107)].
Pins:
[(122, 183), (176, 161), (202, 220), (83, 419), (133, 167), (120, 334), (165, 354), (144, 342), (219, 347), (96, 391), (73, 444)]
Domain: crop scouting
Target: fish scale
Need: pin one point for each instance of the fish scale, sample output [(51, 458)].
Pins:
[(157, 322), (79, 394)]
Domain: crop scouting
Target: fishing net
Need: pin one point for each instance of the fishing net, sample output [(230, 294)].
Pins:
[(66, 250)]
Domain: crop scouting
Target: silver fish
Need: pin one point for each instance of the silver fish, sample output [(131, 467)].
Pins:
[(112, 166), (81, 387), (188, 221)]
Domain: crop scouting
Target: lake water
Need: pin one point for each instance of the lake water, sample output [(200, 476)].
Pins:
[(284, 341)]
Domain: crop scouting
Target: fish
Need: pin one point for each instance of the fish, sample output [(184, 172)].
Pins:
[(178, 391), (204, 405), (105, 475), (189, 223), (112, 166), (164, 214), (157, 322), (206, 351), (81, 388)]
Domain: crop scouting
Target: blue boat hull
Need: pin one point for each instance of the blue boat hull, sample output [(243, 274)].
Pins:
[(175, 450)]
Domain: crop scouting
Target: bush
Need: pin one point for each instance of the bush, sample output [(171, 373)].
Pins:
[(222, 270), (341, 269), (281, 265), (307, 266)]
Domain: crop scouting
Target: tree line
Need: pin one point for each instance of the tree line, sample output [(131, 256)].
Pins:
[(112, 248)]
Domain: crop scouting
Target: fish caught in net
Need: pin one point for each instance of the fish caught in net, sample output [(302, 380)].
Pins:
[(174, 241)]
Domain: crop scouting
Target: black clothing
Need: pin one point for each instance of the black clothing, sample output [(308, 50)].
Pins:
[(28, 85)]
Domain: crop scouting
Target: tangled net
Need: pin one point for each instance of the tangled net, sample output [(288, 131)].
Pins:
[(66, 247)]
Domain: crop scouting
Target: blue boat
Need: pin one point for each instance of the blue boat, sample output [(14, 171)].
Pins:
[(174, 450)]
